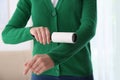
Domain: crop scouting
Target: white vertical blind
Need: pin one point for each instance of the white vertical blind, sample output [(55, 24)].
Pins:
[(116, 38), (102, 44), (3, 13)]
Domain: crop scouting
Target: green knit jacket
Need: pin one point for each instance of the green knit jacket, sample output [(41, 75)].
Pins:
[(69, 16)]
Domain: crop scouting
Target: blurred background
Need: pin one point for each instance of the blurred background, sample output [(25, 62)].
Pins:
[(105, 45)]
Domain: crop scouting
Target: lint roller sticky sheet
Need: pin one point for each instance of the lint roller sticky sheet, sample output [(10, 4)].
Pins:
[(63, 37)]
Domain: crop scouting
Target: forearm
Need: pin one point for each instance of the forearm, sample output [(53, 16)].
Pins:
[(12, 35), (66, 51)]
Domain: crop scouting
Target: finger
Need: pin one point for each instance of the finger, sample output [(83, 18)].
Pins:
[(43, 35), (30, 64), (26, 70), (41, 70), (39, 36), (37, 69), (26, 63), (36, 64), (47, 35), (36, 36)]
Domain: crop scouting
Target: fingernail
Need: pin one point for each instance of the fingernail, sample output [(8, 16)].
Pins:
[(40, 42), (37, 40), (44, 43)]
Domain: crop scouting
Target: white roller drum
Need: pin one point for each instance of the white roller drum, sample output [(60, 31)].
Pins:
[(63, 37)]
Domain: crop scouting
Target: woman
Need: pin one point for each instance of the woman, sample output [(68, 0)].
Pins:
[(54, 61)]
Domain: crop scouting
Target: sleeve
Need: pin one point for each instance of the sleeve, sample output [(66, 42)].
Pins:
[(85, 33), (15, 31)]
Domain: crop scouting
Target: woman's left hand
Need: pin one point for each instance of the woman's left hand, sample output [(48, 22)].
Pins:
[(38, 64)]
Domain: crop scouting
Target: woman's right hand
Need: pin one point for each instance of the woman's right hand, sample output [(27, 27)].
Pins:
[(41, 34)]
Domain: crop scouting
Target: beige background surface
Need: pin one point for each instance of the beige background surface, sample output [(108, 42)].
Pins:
[(12, 65)]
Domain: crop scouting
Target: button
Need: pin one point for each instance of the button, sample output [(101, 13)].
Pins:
[(53, 13)]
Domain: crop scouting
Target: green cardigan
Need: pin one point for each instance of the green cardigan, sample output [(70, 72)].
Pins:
[(69, 16)]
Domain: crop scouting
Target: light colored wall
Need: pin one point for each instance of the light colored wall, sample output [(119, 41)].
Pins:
[(12, 6), (116, 55), (12, 65)]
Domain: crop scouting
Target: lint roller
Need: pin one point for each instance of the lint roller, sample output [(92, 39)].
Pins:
[(63, 37)]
